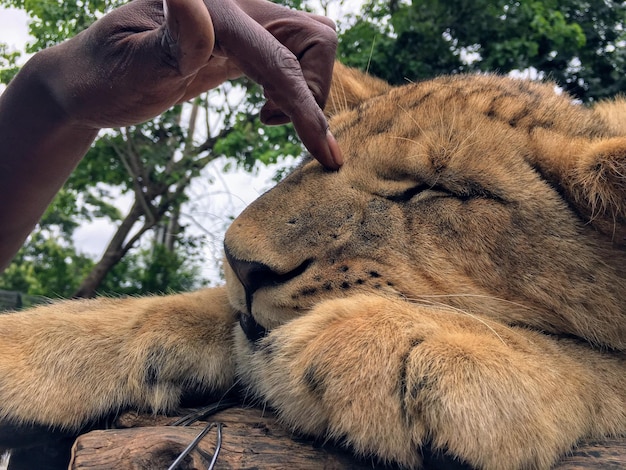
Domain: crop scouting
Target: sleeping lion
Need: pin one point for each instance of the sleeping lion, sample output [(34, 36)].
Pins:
[(459, 283)]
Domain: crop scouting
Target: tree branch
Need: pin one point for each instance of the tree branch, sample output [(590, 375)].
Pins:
[(139, 194)]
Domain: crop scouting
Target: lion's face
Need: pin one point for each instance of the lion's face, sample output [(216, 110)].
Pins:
[(459, 192)]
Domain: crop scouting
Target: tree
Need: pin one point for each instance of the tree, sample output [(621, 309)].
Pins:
[(48, 265), (578, 43), (155, 270)]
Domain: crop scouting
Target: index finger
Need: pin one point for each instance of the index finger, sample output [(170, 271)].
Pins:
[(313, 40), (265, 60)]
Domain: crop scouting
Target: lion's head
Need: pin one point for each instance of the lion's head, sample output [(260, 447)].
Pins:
[(487, 194)]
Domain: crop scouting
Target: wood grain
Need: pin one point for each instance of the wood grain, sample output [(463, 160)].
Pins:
[(253, 439)]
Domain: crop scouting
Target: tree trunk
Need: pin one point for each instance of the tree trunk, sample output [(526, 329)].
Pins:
[(173, 227), (114, 252)]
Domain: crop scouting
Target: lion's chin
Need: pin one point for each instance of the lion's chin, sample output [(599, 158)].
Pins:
[(253, 330)]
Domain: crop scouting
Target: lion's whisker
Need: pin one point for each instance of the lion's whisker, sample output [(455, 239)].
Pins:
[(463, 312), (483, 296)]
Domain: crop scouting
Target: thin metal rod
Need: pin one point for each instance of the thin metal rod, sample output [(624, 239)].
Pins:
[(192, 446), (218, 446), (203, 413)]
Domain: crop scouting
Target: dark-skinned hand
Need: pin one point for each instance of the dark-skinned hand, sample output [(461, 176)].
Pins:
[(142, 58)]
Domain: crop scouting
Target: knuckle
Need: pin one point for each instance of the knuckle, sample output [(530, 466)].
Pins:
[(330, 36)]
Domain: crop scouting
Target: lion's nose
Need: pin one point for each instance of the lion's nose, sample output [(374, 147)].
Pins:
[(254, 275)]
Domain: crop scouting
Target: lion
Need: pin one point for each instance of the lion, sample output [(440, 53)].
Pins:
[(458, 284)]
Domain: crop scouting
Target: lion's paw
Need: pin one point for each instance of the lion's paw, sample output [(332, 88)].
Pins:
[(388, 378)]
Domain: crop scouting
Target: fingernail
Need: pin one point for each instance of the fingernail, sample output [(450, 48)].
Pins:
[(335, 151)]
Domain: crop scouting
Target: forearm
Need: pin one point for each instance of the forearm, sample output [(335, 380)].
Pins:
[(40, 145)]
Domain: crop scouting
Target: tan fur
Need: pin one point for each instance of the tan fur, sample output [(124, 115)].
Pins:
[(614, 114), (75, 361), (460, 282), (350, 88)]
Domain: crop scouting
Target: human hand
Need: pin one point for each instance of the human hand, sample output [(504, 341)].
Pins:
[(148, 55)]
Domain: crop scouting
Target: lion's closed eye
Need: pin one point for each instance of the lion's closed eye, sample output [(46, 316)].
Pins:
[(421, 189)]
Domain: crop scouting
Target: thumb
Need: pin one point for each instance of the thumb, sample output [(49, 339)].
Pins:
[(190, 33)]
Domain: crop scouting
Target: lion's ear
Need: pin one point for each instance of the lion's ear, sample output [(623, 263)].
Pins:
[(613, 113), (599, 179), (592, 174), (351, 87), (599, 175)]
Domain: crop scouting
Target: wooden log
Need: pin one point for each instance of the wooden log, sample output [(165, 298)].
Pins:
[(154, 447), (250, 440), (609, 454), (253, 439)]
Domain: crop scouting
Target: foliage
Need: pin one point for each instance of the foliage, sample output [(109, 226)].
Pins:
[(46, 266), (578, 43), (53, 21), (154, 270), (8, 63), (51, 268)]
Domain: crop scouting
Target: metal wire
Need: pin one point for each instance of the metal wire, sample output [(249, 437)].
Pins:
[(195, 443), (198, 415), (218, 446), (203, 413)]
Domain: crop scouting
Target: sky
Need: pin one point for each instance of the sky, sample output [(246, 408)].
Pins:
[(214, 204), (13, 27)]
